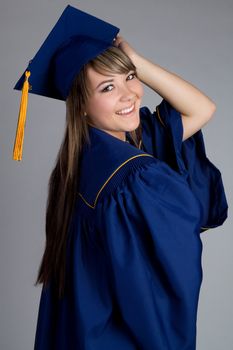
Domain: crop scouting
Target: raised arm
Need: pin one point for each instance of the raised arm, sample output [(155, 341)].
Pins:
[(195, 107)]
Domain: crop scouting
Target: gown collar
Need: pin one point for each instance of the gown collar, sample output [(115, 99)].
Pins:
[(100, 160)]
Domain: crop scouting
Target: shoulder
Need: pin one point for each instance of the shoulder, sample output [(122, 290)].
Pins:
[(143, 193), (105, 164), (139, 175), (96, 191), (163, 117), (157, 115)]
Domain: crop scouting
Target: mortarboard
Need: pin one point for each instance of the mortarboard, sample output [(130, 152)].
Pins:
[(76, 38)]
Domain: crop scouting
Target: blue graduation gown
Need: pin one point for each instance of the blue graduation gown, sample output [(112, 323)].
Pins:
[(162, 137), (134, 248)]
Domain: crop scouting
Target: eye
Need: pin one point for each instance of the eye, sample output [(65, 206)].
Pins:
[(106, 89), (132, 75)]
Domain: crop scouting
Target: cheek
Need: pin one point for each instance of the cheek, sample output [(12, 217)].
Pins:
[(104, 104), (140, 89), (101, 106)]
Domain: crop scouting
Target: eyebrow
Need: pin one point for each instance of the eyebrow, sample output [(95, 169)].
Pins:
[(105, 81)]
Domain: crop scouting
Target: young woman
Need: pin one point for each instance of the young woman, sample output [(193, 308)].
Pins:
[(128, 197)]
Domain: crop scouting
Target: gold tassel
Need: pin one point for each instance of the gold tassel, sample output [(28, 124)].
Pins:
[(19, 137)]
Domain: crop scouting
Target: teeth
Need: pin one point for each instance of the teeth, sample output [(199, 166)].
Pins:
[(126, 110)]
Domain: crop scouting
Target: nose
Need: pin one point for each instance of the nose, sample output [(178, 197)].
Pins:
[(127, 94)]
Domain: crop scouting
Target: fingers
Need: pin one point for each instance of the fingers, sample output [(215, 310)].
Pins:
[(117, 40)]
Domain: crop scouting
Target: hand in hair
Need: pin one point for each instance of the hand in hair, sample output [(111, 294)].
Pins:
[(124, 46)]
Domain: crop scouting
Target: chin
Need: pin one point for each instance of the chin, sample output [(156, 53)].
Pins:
[(133, 125)]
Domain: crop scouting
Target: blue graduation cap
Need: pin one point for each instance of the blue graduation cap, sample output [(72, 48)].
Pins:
[(76, 38)]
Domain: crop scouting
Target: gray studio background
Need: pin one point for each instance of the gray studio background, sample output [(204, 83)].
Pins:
[(192, 39)]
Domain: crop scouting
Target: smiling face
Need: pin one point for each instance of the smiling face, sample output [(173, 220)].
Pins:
[(114, 102)]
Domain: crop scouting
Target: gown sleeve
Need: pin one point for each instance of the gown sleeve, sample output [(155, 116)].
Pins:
[(162, 137), (150, 230)]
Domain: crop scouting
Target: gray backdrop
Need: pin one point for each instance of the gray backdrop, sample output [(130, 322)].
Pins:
[(192, 39)]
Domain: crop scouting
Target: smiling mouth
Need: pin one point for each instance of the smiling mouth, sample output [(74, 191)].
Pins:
[(126, 111)]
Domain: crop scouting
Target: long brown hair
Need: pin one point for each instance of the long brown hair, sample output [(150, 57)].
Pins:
[(63, 181)]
